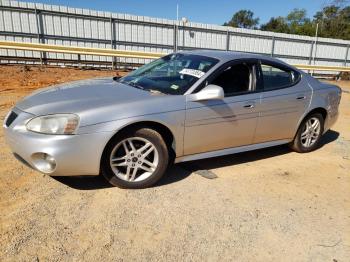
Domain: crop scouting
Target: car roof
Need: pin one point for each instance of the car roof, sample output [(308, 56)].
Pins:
[(225, 56)]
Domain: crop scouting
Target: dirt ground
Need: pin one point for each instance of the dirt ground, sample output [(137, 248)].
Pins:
[(266, 205)]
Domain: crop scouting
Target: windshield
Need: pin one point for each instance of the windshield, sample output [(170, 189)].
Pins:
[(173, 74)]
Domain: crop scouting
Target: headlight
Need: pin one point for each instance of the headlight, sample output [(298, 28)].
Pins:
[(59, 124)]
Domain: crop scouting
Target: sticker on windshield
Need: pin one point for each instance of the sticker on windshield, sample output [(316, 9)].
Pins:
[(174, 87), (192, 72)]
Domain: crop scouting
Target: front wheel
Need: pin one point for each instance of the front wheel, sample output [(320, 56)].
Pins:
[(309, 134), (135, 159)]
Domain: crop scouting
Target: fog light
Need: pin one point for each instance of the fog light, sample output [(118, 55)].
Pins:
[(44, 162)]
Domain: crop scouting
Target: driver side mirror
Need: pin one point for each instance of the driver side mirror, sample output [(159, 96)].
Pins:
[(210, 92)]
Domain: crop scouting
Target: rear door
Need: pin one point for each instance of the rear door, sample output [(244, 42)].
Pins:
[(284, 99), (231, 122)]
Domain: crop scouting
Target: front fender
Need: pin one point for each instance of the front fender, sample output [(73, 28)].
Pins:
[(174, 121)]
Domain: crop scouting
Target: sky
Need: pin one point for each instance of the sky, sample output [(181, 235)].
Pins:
[(204, 11)]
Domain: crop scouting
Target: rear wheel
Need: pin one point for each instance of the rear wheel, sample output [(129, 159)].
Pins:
[(136, 159), (309, 134)]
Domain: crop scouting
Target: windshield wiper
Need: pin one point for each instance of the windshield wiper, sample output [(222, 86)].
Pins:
[(155, 91), (133, 84)]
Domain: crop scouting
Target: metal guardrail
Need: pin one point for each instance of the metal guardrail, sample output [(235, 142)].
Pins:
[(77, 50), (126, 53), (323, 68)]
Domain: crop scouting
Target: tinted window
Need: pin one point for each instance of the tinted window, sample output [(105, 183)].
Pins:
[(275, 78), (234, 79)]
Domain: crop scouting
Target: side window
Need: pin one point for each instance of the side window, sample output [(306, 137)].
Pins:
[(235, 79), (204, 66), (276, 78)]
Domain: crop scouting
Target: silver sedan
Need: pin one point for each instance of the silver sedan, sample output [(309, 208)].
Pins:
[(184, 106)]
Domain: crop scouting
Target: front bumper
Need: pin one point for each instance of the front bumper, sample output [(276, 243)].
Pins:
[(73, 154)]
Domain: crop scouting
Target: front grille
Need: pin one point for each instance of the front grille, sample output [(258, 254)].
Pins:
[(11, 118)]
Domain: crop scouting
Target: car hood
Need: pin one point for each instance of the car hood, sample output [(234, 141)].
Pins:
[(98, 100)]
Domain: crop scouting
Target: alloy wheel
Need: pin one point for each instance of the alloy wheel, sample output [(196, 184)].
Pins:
[(311, 132), (134, 159)]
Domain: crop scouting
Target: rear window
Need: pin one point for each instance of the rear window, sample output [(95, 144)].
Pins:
[(276, 78)]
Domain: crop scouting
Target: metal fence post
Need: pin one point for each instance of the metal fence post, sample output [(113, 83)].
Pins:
[(310, 55), (273, 46), (227, 40), (113, 42), (79, 61), (311, 50), (175, 37), (314, 58), (183, 36), (40, 32), (346, 55)]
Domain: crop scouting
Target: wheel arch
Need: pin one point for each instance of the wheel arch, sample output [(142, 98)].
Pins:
[(161, 128), (320, 110)]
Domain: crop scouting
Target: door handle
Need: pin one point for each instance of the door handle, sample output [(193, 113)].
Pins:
[(249, 106), (301, 97)]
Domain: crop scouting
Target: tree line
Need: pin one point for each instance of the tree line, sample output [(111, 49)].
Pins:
[(333, 21)]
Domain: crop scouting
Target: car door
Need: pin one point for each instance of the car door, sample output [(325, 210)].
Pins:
[(219, 124), (284, 99)]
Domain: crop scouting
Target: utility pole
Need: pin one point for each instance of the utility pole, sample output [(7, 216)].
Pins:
[(177, 28), (184, 22), (316, 38), (177, 12)]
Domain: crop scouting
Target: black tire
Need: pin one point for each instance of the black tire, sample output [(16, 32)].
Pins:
[(152, 136), (297, 145)]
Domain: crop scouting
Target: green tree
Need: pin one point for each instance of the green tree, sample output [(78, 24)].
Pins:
[(277, 24), (345, 23), (299, 23), (243, 19), (334, 22), (296, 22)]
